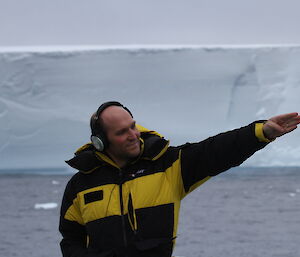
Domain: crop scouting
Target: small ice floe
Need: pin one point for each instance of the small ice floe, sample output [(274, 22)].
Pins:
[(45, 206), (55, 182), (292, 194)]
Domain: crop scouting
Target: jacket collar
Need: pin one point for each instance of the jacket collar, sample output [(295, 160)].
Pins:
[(87, 158)]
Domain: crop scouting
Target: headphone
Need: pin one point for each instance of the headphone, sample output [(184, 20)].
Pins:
[(98, 137)]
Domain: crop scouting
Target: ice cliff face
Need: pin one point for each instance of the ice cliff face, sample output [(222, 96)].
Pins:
[(186, 93)]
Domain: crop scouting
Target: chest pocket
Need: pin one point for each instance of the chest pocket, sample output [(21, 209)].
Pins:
[(99, 202), (93, 196)]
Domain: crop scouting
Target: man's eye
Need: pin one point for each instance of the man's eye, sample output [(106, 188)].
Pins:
[(121, 132)]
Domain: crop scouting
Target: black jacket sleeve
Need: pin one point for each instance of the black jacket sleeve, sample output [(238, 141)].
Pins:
[(74, 242), (217, 154)]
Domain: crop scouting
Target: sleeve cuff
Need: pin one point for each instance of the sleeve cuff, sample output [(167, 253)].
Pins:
[(259, 133)]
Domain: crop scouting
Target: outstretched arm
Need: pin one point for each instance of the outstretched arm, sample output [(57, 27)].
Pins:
[(280, 125)]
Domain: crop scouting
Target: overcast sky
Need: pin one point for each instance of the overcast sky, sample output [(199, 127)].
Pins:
[(98, 22)]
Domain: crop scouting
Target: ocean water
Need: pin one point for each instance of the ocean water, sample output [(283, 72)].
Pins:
[(245, 212)]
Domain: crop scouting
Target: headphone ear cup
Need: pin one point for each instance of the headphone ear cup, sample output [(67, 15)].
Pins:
[(97, 143)]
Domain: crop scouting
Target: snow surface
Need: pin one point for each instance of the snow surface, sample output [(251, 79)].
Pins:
[(186, 93)]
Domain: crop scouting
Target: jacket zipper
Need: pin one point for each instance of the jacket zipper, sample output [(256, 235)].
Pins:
[(122, 208), (131, 215)]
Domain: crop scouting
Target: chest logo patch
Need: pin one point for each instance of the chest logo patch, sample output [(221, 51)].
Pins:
[(140, 171)]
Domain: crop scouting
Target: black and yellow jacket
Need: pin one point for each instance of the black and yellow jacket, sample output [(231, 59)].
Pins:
[(133, 211)]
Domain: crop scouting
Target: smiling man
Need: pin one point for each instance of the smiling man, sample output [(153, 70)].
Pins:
[(125, 199), (122, 134)]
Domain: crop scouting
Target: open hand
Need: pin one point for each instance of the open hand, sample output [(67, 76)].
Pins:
[(280, 125)]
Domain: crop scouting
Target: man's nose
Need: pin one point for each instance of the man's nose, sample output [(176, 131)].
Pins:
[(132, 134)]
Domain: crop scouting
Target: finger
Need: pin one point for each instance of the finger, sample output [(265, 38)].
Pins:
[(294, 122), (291, 122), (291, 129), (285, 117), (297, 119)]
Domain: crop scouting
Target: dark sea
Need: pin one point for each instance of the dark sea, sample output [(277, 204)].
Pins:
[(245, 212)]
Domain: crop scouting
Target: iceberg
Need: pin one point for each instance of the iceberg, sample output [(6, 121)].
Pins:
[(187, 93)]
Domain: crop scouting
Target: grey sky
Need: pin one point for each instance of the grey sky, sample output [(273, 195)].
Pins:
[(94, 22)]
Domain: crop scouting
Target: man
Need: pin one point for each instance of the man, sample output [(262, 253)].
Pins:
[(125, 199)]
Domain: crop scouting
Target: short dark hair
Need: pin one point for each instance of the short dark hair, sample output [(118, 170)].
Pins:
[(97, 123)]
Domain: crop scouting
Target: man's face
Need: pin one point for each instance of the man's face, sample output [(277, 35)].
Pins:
[(122, 134)]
